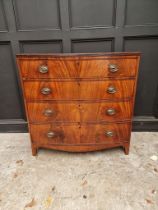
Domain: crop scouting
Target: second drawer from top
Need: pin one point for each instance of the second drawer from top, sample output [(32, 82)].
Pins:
[(83, 90)]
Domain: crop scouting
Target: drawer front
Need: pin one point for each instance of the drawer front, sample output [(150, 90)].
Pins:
[(79, 112), (46, 112), (104, 134), (78, 68), (60, 68), (84, 134), (55, 134), (84, 90), (105, 111), (108, 68)]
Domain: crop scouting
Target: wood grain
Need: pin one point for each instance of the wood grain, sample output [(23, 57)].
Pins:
[(79, 100), (78, 68), (83, 90), (80, 134), (77, 148), (78, 111)]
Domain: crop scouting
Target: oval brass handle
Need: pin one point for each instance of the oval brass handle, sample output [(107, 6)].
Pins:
[(113, 68), (111, 89), (46, 91), (43, 69), (48, 112), (109, 133), (111, 111), (51, 134)]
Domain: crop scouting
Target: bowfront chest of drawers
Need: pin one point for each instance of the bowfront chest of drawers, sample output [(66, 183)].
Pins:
[(79, 102)]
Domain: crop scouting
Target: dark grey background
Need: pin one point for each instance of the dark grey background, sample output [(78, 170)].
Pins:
[(59, 26)]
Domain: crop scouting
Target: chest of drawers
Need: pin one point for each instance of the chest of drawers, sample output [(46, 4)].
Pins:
[(79, 102)]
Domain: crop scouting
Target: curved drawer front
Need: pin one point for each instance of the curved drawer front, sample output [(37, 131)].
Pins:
[(78, 112), (46, 112), (84, 90), (55, 134), (105, 111), (108, 68), (105, 134), (59, 68), (78, 67), (76, 134)]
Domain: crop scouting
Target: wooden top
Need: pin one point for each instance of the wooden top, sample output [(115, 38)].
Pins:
[(51, 55)]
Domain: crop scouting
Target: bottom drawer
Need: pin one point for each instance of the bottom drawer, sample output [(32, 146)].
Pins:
[(75, 134)]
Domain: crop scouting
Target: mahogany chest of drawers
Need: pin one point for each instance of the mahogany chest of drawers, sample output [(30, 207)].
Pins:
[(79, 102)]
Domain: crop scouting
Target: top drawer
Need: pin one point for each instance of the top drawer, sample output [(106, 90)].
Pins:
[(73, 67)]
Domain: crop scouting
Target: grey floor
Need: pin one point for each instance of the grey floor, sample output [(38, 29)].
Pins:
[(107, 180)]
